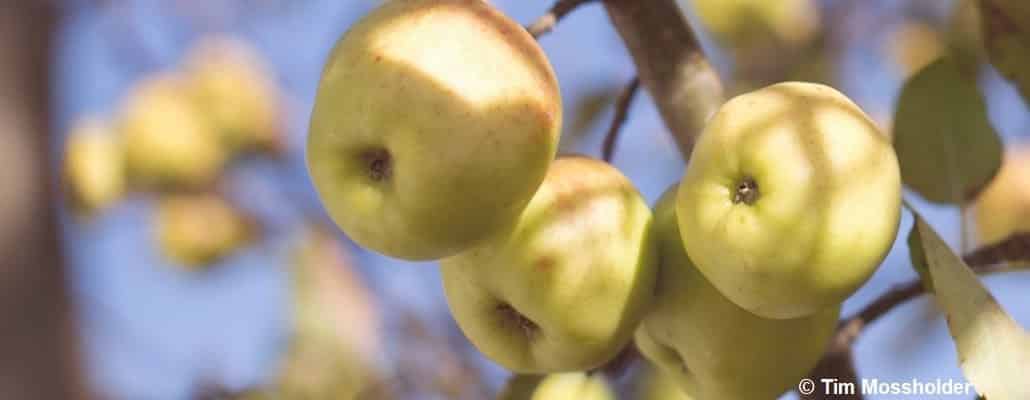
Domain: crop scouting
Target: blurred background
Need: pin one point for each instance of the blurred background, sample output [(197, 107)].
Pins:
[(198, 262)]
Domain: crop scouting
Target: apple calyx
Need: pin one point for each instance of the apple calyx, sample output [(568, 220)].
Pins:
[(513, 318), (379, 164), (746, 191)]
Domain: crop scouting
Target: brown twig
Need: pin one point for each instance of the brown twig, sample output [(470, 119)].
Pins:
[(547, 21), (621, 113)]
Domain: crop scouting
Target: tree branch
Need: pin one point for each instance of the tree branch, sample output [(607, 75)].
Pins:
[(547, 21), (621, 113), (670, 63)]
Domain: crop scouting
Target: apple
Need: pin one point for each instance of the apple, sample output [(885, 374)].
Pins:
[(168, 142), (237, 91), (1003, 208), (791, 199), (564, 289), (94, 165), (751, 23), (713, 348), (650, 383), (198, 229), (433, 125), (560, 386)]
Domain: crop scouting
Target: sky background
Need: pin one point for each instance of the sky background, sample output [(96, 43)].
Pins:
[(152, 331)]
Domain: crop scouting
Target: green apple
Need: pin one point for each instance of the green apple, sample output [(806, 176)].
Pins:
[(196, 230), (791, 199), (94, 165), (750, 23), (564, 289), (237, 91), (1003, 208), (560, 386), (434, 124), (168, 142), (650, 383), (713, 348)]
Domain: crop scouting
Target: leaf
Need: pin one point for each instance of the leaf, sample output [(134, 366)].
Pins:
[(946, 146), (588, 110), (918, 258), (993, 349), (1006, 36)]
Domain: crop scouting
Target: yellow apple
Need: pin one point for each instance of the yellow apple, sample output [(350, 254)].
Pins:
[(1003, 208), (561, 386), (565, 288), (237, 92), (434, 124), (650, 383), (196, 230), (713, 348), (791, 199), (94, 165), (746, 23), (168, 142)]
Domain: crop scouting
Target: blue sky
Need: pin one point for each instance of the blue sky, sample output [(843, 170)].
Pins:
[(150, 331)]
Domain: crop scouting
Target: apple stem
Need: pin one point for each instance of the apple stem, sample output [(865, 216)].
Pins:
[(379, 164), (746, 191)]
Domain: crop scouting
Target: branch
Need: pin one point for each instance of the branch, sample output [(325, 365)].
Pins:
[(671, 64), (983, 260), (547, 21), (621, 113)]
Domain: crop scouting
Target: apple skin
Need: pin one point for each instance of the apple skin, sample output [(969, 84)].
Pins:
[(434, 124), (791, 199), (1003, 208), (713, 348), (168, 142), (565, 288), (94, 166), (561, 386), (650, 383), (231, 83), (196, 230)]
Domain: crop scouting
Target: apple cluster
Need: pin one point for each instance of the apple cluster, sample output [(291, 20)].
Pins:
[(434, 135)]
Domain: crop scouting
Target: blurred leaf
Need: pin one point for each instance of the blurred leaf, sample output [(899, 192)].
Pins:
[(946, 146), (336, 326), (588, 110), (1006, 35), (993, 349)]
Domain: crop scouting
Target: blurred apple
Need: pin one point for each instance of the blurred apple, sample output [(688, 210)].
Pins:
[(914, 45), (168, 142), (1003, 208), (196, 230), (563, 386), (650, 383), (94, 165), (748, 23), (713, 348), (236, 90), (565, 288)]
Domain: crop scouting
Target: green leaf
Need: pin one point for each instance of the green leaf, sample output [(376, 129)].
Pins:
[(946, 146), (1006, 36), (993, 349), (918, 257), (587, 111)]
